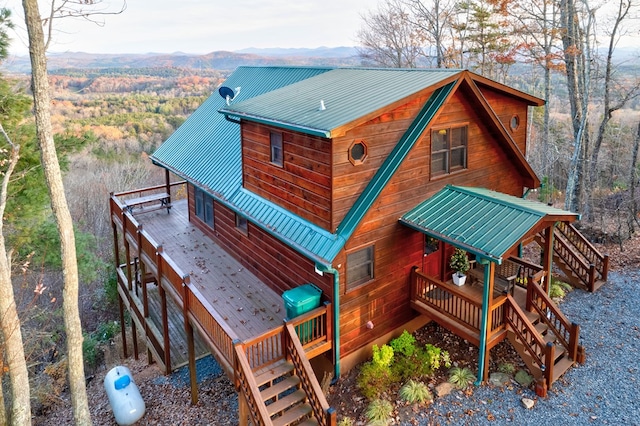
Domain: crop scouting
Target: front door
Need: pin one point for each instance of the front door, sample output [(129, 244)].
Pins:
[(432, 259)]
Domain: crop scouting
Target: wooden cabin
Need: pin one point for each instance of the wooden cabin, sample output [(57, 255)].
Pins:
[(358, 184)]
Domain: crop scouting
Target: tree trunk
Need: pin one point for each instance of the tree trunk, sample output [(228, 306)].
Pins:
[(632, 180), (13, 346), (53, 175)]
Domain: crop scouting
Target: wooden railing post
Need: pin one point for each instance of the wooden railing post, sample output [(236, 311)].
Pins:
[(550, 356), (573, 341), (592, 277), (188, 328), (605, 267)]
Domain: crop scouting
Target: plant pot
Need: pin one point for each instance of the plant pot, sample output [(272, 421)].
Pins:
[(459, 279)]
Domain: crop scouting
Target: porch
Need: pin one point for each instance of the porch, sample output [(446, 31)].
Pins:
[(174, 280)]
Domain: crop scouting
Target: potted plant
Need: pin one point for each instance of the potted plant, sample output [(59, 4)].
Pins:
[(459, 263)]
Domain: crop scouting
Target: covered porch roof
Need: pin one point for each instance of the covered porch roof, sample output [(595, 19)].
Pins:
[(486, 223)]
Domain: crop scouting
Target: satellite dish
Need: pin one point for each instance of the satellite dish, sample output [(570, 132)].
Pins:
[(228, 93)]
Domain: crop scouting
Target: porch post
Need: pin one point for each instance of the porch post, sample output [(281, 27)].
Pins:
[(167, 178), (547, 261), (486, 293)]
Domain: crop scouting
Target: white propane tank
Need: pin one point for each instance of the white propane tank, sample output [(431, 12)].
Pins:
[(125, 399)]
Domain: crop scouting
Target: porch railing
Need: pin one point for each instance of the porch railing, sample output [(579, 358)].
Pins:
[(314, 327), (566, 333), (454, 304)]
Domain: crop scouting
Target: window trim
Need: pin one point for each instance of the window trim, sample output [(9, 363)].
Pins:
[(202, 200), (242, 224), (449, 150), (276, 145), (349, 286)]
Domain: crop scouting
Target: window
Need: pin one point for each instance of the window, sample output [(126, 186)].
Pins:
[(276, 148), (204, 207), (448, 150), (241, 224), (514, 123), (357, 152), (359, 267)]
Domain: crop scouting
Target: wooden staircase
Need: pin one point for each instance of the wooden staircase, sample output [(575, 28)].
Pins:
[(580, 261), (542, 335), (283, 392)]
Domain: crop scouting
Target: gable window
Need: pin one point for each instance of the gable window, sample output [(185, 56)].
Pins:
[(276, 148), (448, 150), (358, 152), (359, 267), (204, 207), (241, 224)]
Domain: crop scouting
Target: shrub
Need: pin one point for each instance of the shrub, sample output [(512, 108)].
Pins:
[(461, 377), (376, 376), (506, 367), (379, 412), (559, 289), (524, 378), (414, 392), (405, 344), (346, 421)]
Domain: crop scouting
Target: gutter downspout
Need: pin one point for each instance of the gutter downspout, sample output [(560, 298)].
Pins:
[(483, 323), (336, 315)]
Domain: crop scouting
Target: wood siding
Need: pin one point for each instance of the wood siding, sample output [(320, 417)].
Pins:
[(274, 263), (385, 300), (380, 135), (302, 185), (506, 107)]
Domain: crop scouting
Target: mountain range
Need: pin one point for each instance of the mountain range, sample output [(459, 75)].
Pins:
[(219, 60)]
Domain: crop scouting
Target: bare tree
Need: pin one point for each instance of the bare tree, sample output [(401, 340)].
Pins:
[(9, 320), (388, 37), (53, 176), (436, 19), (615, 95)]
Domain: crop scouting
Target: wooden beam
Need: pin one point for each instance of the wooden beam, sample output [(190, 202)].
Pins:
[(188, 328), (547, 260)]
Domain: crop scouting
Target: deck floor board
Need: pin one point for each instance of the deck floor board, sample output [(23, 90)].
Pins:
[(248, 306)]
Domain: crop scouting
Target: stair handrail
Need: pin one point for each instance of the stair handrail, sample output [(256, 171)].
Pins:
[(583, 270), (527, 334), (566, 333), (245, 384), (324, 414), (586, 248)]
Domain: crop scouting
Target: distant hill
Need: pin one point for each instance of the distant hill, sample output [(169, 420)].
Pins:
[(220, 60)]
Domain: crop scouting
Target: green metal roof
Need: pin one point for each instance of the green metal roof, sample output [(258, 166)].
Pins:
[(205, 149), (347, 94), (483, 222)]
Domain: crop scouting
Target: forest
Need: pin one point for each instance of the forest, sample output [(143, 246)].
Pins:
[(106, 121)]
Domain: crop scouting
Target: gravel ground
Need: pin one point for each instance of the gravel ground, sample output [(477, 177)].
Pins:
[(605, 390), (602, 391)]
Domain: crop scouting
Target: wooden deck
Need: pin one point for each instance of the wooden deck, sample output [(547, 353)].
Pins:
[(246, 304)]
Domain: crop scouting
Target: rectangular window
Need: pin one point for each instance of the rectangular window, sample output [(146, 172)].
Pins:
[(276, 148), (204, 207), (359, 267), (241, 224), (448, 150)]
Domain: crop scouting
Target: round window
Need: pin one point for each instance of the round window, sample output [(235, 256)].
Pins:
[(515, 122), (357, 152)]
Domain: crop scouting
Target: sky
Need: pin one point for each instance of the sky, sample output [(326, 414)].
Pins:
[(203, 26)]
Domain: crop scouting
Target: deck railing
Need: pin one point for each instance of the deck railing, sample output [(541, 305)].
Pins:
[(313, 328)]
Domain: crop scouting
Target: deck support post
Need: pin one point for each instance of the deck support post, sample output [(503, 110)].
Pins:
[(134, 337), (167, 178), (243, 410), (191, 351), (123, 326)]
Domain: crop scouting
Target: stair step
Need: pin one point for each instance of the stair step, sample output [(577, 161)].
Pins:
[(561, 367), (309, 422), (293, 415), (280, 387), (533, 317), (286, 402), (274, 371)]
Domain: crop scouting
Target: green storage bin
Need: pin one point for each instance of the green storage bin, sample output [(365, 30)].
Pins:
[(301, 300)]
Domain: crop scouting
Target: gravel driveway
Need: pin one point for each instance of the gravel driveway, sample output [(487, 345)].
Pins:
[(603, 391)]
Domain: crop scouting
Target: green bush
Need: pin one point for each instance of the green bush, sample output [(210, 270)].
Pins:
[(405, 344), (506, 367), (346, 421), (414, 392), (524, 378), (90, 350), (383, 356), (379, 412), (559, 289), (462, 378)]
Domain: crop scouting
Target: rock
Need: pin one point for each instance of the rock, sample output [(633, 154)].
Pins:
[(499, 379), (528, 403), (443, 389)]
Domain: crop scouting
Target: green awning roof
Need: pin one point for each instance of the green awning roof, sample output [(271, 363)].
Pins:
[(483, 222)]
